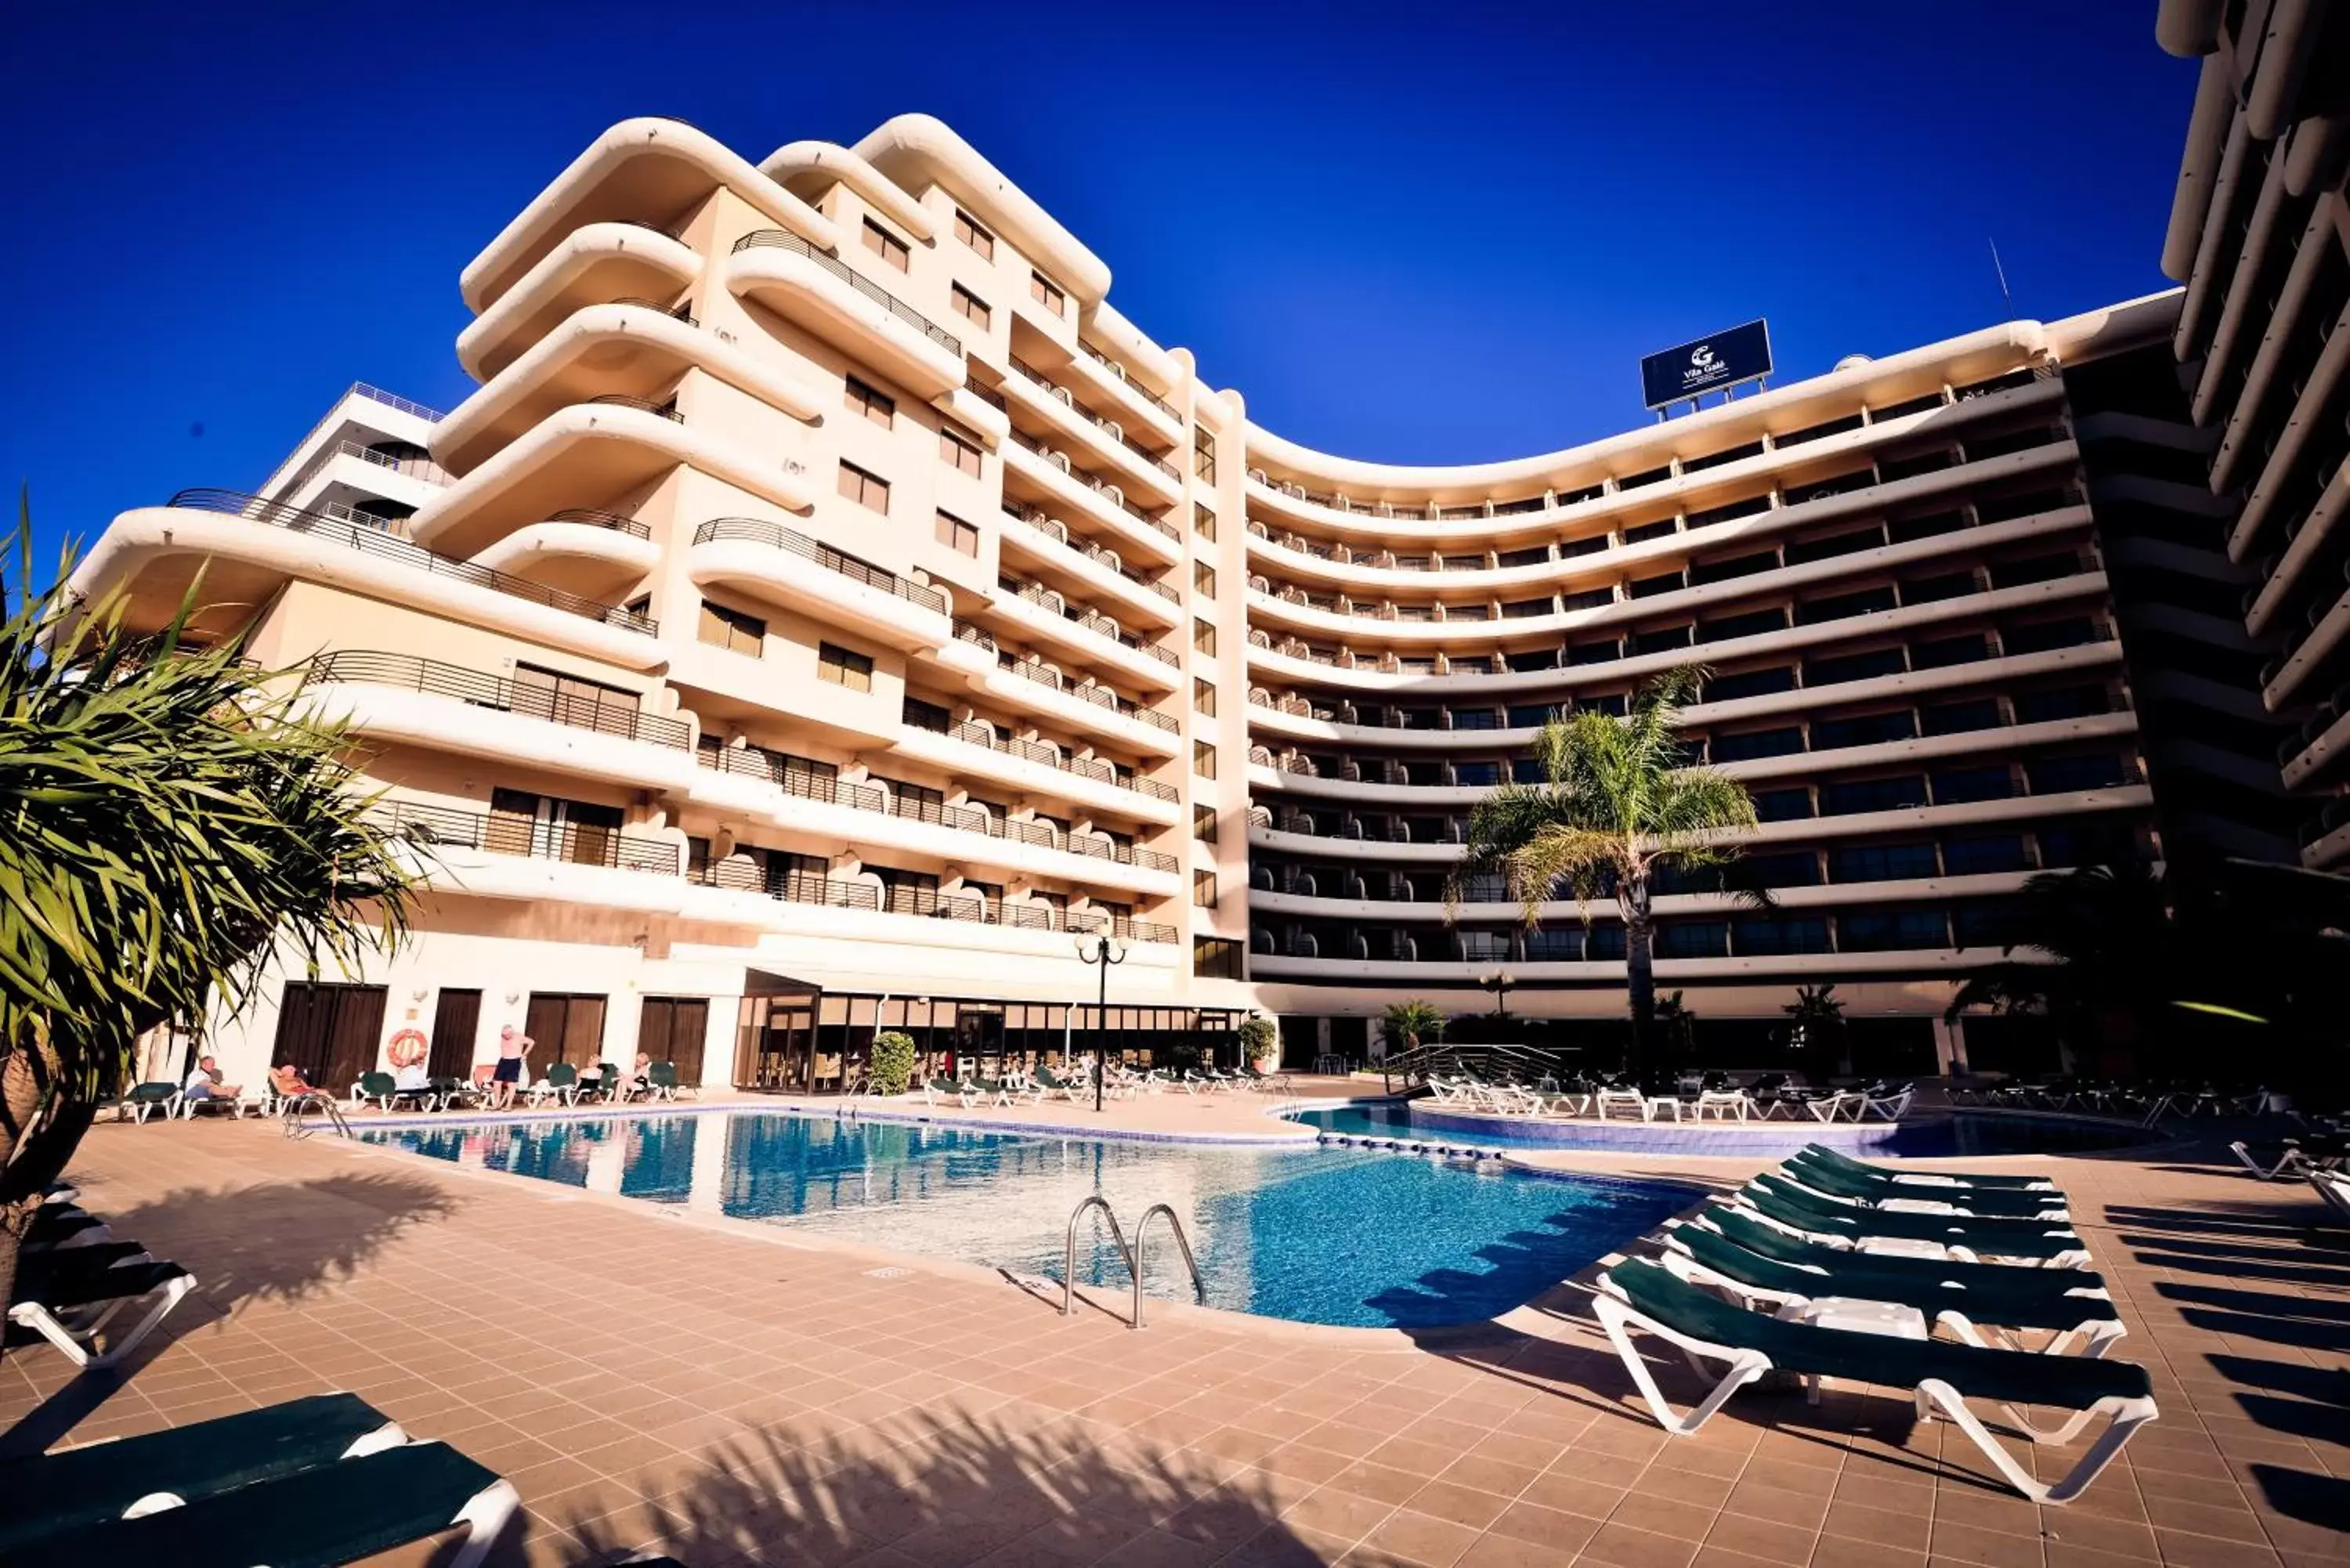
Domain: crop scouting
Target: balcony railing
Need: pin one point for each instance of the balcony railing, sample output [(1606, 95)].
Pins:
[(971, 732), (777, 239), (667, 410), (1100, 696), (795, 777), (781, 538), (579, 711), (1109, 492), (1053, 529), (1117, 373), (1109, 429), (595, 518), (748, 876), (375, 542), (577, 844), (1050, 602), (674, 312), (415, 467)]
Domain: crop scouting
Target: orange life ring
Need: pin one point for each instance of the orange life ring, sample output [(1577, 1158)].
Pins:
[(408, 1048)]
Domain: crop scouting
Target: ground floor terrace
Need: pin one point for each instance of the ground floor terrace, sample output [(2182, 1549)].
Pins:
[(654, 1378)]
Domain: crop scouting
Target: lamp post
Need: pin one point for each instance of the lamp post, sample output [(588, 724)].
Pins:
[(1499, 981), (1100, 950)]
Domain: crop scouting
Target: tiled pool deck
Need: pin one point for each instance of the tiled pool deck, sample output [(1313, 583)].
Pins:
[(653, 1381)]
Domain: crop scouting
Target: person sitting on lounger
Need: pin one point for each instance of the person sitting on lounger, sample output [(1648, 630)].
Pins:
[(288, 1083), (411, 1079), (204, 1084)]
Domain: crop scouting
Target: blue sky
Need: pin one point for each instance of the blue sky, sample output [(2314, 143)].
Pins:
[(221, 214)]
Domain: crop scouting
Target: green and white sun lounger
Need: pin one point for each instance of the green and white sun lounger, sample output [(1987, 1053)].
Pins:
[(2047, 1243), (63, 1492), (1878, 1194), (71, 1307), (1998, 1181), (1755, 1234), (2080, 1319), (332, 1513), (1641, 1295)]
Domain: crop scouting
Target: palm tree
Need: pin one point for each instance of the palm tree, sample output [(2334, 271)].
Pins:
[(1406, 1023), (1814, 1027), (2107, 957), (1616, 804), (171, 819)]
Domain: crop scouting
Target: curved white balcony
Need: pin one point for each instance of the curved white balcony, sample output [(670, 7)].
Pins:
[(1045, 772), (1137, 471), (590, 265), (1043, 543), (1672, 550), (1107, 380), (247, 548), (1785, 409), (867, 816), (1299, 670), (1603, 911), (1798, 830), (918, 151), (815, 166), (603, 350), (1075, 705), (790, 569), (984, 419), (865, 321), (578, 542), (462, 849), (1995, 673), (642, 171), (1033, 619), (1954, 962), (584, 455), (419, 702), (1137, 535)]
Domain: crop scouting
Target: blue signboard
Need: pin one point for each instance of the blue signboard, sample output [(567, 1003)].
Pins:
[(1706, 365)]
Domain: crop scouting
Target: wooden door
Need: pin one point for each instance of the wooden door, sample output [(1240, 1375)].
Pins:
[(672, 1029), (568, 1027), (332, 1033), (455, 1020)]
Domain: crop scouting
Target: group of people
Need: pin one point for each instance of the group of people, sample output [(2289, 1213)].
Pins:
[(505, 1079)]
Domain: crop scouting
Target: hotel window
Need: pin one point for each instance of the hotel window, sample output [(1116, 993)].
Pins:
[(1203, 889), (861, 398), (1204, 522), (1203, 759), (843, 667), (1204, 637), (958, 535), (864, 489), (885, 244), (1203, 578), (1203, 456), (958, 453), (1047, 293), (732, 630), (967, 230), (1203, 823), (1216, 958), (1203, 696), (972, 308)]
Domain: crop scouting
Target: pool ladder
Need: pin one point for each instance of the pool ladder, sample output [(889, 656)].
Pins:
[(1136, 1256)]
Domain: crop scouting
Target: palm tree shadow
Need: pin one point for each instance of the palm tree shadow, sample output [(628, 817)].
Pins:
[(278, 1243), (934, 1489)]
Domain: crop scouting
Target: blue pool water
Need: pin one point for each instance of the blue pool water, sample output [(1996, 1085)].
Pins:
[(1938, 1137), (1316, 1235)]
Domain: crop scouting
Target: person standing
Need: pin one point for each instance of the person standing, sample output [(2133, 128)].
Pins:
[(513, 1055)]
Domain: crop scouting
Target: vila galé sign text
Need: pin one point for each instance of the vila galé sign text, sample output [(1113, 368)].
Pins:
[(1679, 374)]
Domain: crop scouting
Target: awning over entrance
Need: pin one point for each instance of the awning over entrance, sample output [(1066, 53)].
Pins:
[(759, 982)]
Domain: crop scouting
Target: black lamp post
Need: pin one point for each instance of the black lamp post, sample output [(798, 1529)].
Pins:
[(1100, 949), (1499, 981)]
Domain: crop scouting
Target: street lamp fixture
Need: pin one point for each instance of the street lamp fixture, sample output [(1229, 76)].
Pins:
[(1098, 949), (1498, 981)]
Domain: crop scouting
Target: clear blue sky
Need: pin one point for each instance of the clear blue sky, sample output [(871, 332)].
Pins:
[(219, 215)]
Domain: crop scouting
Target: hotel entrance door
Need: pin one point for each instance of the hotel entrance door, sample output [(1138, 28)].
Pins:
[(775, 1035)]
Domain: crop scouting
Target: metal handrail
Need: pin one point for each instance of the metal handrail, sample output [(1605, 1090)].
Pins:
[(596, 517), (1142, 1255), (1069, 1262), (759, 531), (1117, 437), (667, 410), (376, 542), (978, 734), (480, 690), (1117, 374), (674, 312), (778, 239), (569, 842)]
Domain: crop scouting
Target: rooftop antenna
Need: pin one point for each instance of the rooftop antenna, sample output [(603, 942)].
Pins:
[(2000, 269)]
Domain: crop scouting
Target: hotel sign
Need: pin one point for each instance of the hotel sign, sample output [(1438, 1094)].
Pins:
[(1680, 374)]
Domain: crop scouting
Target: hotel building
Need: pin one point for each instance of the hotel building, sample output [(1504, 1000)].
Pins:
[(830, 613), (2259, 236)]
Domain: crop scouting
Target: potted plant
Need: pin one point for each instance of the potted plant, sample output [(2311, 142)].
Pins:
[(1261, 1042), (890, 1069)]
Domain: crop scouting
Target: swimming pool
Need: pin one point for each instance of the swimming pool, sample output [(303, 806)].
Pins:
[(1315, 1235), (1922, 1138)]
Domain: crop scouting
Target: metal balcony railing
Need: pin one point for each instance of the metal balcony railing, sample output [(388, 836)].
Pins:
[(579, 711), (744, 874), (778, 239), (1117, 373), (674, 312), (577, 844), (387, 547), (1108, 429), (1109, 492), (1088, 691), (971, 732), (778, 537), (596, 519), (667, 410), (1035, 519)]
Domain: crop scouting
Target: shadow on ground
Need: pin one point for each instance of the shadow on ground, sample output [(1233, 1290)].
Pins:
[(283, 1242), (938, 1490)]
